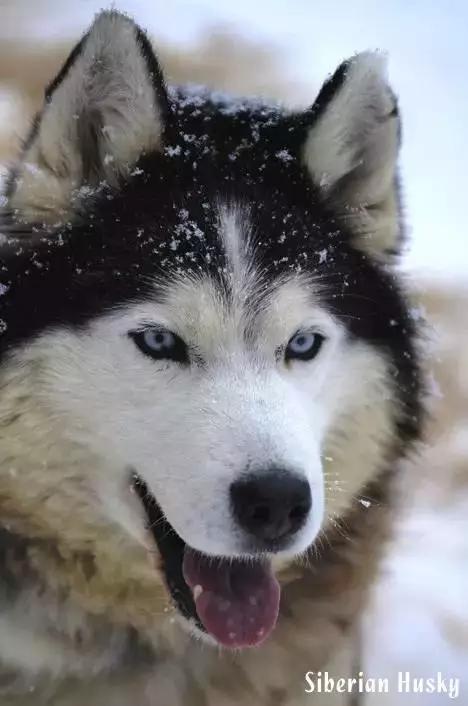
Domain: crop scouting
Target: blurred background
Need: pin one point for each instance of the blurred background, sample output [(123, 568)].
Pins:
[(418, 618)]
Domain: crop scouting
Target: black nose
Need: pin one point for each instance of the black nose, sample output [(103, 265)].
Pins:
[(271, 505)]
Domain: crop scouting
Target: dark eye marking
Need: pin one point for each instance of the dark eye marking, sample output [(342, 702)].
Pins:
[(161, 344)]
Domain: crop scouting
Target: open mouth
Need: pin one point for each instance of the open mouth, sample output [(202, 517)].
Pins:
[(235, 600)]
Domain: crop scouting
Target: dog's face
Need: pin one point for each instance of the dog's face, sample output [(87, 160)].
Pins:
[(213, 322)]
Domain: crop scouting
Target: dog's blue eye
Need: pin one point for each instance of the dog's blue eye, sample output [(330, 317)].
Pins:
[(161, 344), (158, 341), (304, 346)]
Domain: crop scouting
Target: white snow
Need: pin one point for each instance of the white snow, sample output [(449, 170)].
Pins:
[(284, 155), (172, 151), (418, 619), (323, 255)]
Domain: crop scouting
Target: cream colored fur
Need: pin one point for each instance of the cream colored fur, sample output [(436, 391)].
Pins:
[(108, 90), (351, 152)]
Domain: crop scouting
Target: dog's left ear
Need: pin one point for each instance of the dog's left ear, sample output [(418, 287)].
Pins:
[(105, 109), (351, 152)]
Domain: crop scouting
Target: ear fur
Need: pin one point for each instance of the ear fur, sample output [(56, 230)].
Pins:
[(352, 148), (105, 109)]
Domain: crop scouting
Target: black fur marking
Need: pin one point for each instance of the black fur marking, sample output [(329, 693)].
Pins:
[(171, 548), (65, 70), (144, 45), (15, 571), (329, 90), (165, 220), (49, 91), (155, 73)]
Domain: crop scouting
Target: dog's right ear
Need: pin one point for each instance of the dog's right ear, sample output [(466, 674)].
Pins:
[(105, 109)]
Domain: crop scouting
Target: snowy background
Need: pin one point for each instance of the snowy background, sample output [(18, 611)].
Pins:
[(419, 619)]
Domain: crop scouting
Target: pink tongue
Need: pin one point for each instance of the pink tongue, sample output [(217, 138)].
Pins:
[(239, 601)]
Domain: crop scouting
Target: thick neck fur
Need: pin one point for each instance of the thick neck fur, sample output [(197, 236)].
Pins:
[(44, 496)]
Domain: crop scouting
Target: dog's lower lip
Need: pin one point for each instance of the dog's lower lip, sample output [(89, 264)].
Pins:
[(171, 547), (235, 601)]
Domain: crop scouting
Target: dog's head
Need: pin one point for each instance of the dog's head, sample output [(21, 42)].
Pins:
[(202, 293)]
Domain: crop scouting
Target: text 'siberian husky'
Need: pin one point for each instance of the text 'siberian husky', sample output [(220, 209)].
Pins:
[(208, 380)]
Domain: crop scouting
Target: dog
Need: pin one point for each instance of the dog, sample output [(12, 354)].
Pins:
[(209, 378)]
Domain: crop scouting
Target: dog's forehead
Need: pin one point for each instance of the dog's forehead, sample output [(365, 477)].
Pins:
[(243, 298), (201, 309), (240, 153), (236, 301)]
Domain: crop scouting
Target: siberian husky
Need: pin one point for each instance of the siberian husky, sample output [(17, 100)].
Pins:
[(208, 380)]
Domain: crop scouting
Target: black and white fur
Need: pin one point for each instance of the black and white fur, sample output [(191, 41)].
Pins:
[(234, 225)]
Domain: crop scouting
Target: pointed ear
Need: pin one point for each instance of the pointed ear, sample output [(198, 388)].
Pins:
[(105, 109), (351, 152)]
